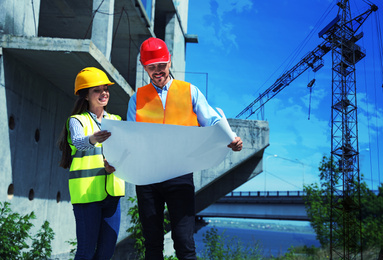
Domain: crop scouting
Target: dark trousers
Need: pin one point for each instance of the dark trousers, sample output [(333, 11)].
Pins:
[(178, 194), (97, 226)]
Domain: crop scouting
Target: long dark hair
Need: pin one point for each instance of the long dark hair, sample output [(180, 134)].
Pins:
[(80, 106)]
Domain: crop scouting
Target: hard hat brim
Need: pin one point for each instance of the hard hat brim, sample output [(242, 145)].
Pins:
[(92, 86), (158, 60)]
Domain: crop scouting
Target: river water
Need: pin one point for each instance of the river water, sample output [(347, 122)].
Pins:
[(273, 237)]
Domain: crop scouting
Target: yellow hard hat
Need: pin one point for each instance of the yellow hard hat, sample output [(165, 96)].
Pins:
[(90, 77)]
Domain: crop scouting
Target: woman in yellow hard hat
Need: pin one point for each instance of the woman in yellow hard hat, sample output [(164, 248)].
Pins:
[(94, 190)]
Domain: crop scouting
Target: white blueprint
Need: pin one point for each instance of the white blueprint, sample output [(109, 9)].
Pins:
[(145, 153)]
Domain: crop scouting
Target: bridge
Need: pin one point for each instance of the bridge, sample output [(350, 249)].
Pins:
[(277, 205)]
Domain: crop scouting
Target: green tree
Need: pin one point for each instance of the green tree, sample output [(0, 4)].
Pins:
[(318, 208), (372, 218), (14, 236), (136, 229), (317, 202), (73, 244), (214, 244), (41, 244)]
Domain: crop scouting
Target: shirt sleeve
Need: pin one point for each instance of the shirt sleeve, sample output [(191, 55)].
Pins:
[(79, 140), (206, 115), (131, 114)]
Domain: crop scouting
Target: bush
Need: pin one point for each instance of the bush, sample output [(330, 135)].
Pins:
[(136, 230), (14, 236), (218, 247)]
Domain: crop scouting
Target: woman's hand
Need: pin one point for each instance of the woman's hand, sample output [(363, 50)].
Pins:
[(236, 145), (99, 136), (108, 168)]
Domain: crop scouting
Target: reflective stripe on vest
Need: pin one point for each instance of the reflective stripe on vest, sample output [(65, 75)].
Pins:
[(88, 180), (178, 108)]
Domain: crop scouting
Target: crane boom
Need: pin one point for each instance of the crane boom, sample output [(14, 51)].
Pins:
[(312, 60)]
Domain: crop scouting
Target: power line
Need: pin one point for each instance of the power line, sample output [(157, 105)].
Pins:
[(268, 172)]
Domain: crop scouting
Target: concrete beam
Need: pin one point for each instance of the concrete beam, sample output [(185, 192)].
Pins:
[(42, 55), (257, 211), (259, 206), (237, 168), (229, 181)]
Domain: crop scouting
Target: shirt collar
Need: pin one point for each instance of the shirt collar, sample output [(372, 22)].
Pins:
[(166, 87), (94, 115)]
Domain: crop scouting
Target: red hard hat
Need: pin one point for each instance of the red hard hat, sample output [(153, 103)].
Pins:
[(154, 50)]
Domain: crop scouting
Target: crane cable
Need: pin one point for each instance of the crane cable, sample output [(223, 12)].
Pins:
[(368, 114), (375, 83), (297, 51), (368, 121), (380, 55), (310, 35)]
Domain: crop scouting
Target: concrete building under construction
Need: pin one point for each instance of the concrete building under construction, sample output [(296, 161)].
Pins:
[(43, 45)]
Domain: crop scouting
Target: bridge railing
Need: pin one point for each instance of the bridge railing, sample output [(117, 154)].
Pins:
[(266, 194), (290, 193)]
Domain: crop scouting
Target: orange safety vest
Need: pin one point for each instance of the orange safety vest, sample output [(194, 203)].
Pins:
[(178, 109)]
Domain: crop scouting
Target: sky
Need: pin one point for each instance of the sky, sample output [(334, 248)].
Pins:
[(245, 45)]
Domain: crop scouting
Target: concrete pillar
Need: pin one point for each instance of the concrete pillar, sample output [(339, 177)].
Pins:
[(175, 41), (102, 26), (5, 151), (182, 7), (19, 17), (152, 14), (142, 78)]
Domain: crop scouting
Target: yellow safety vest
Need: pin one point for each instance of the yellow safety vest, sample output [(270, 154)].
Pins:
[(88, 180), (178, 108)]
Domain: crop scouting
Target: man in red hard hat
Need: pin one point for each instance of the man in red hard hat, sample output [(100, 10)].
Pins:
[(169, 101), (155, 54)]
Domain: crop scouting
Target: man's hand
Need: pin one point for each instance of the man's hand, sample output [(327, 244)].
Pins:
[(236, 145), (108, 168)]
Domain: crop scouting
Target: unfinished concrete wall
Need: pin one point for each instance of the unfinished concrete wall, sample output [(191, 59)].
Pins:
[(36, 97), (19, 17), (34, 112), (6, 186)]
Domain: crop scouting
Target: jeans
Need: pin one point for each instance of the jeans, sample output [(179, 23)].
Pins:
[(178, 193), (97, 226)]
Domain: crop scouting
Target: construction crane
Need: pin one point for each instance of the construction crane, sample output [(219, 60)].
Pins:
[(340, 38)]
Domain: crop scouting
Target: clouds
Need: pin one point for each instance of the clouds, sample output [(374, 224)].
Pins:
[(369, 119), (241, 46), (315, 97), (223, 34)]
